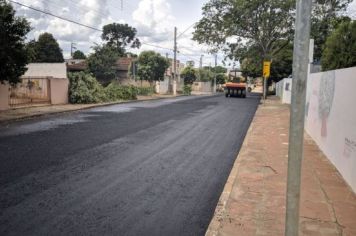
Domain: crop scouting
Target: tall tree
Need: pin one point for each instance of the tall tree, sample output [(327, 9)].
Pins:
[(79, 55), (47, 49), (189, 75), (31, 50), (281, 66), (326, 16), (340, 48), (102, 63), (261, 23), (119, 36), (151, 66), (13, 54)]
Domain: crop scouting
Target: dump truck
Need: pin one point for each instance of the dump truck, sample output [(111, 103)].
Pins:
[(236, 88)]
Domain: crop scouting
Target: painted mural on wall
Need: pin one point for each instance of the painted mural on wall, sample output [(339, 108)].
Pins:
[(331, 118), (326, 97)]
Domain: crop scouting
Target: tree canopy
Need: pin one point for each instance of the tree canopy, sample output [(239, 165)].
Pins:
[(79, 55), (340, 47), (241, 23), (151, 66), (102, 63), (119, 36), (13, 54), (326, 16), (189, 75), (45, 49)]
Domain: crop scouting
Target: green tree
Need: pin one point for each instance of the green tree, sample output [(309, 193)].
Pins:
[(340, 48), (205, 74), (31, 50), (221, 78), (189, 75), (326, 16), (79, 55), (151, 66), (119, 36), (101, 63), (47, 49), (219, 69), (13, 54), (261, 23), (281, 66)]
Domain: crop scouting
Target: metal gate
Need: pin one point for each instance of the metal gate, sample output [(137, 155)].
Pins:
[(30, 91)]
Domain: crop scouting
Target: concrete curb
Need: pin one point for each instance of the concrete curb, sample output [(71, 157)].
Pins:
[(220, 210)]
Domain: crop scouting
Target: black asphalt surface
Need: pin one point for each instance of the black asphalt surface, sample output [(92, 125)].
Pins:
[(144, 168)]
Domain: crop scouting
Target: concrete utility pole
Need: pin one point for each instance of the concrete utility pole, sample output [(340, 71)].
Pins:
[(200, 65), (201, 61), (216, 63), (297, 113), (175, 63), (71, 49), (264, 88)]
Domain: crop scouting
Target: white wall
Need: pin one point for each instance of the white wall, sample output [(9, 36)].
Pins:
[(284, 90), (331, 118), (59, 91), (164, 86), (202, 87)]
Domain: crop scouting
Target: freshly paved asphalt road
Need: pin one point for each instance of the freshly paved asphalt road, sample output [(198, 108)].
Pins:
[(145, 168)]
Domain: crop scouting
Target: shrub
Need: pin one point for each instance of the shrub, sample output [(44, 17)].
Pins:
[(145, 91), (84, 88), (189, 75), (115, 92), (187, 89)]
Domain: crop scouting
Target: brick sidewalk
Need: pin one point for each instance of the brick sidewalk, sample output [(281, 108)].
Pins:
[(253, 200), (28, 112)]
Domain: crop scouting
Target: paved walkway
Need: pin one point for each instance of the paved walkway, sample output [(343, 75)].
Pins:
[(253, 200), (27, 112)]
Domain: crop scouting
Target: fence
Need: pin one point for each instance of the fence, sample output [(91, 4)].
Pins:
[(202, 87), (30, 91)]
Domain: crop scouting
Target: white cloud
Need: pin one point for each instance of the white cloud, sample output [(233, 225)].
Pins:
[(154, 20), (94, 13)]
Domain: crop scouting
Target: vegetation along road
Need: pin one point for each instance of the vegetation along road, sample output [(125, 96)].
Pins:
[(144, 168)]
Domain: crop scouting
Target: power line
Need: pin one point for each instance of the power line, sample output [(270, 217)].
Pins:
[(62, 18), (186, 30), (152, 45), (78, 23)]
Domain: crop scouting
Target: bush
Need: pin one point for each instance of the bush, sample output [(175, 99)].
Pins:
[(145, 91), (187, 89), (115, 92), (84, 88), (189, 75)]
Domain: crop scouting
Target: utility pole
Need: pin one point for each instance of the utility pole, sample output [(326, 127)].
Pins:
[(200, 66), (297, 113), (175, 62), (216, 63), (201, 61), (72, 47)]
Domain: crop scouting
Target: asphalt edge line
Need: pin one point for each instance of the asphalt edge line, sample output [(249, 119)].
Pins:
[(220, 209)]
